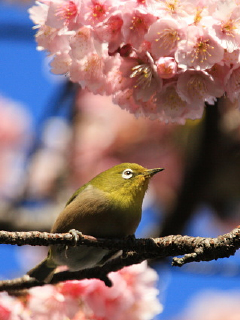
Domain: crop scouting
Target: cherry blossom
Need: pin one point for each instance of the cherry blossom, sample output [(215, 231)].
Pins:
[(94, 12), (110, 31), (38, 14), (133, 296), (164, 36), (166, 67), (61, 63), (171, 105), (63, 13), (48, 303), (135, 25), (199, 50), (226, 25), (12, 308), (137, 51), (52, 40), (197, 86), (174, 8)]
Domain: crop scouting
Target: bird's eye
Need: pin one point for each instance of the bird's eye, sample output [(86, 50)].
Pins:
[(127, 174)]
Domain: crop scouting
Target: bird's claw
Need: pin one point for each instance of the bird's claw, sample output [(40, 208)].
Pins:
[(130, 239), (76, 235)]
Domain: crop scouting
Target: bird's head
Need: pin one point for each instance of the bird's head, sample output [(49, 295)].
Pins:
[(125, 179)]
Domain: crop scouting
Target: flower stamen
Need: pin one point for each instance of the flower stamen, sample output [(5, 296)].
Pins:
[(98, 10), (171, 6), (138, 23), (202, 50), (67, 11), (168, 38), (229, 27), (144, 74), (198, 15)]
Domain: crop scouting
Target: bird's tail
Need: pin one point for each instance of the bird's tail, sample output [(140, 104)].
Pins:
[(43, 272)]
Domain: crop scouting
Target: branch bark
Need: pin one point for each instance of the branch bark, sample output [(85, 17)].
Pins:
[(134, 251)]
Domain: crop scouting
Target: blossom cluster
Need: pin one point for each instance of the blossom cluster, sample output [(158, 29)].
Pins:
[(133, 296), (159, 58)]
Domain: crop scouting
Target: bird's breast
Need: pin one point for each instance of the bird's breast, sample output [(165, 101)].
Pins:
[(100, 214)]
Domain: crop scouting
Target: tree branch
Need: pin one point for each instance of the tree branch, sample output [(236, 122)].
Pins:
[(134, 251)]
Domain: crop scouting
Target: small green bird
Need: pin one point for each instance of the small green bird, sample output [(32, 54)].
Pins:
[(108, 206)]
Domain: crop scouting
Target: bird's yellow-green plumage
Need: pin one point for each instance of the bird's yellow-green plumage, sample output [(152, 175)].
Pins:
[(108, 206)]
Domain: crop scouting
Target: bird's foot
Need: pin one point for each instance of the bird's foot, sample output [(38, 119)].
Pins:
[(130, 239), (76, 236)]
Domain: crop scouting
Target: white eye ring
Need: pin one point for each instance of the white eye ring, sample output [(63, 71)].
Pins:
[(127, 174)]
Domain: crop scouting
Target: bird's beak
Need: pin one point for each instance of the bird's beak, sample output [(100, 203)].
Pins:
[(150, 172)]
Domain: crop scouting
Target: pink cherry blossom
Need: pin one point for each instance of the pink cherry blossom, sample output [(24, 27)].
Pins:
[(11, 308), (141, 77), (183, 9), (114, 80), (81, 43), (226, 25), (199, 50), (48, 303), (145, 83), (219, 72), (89, 70), (52, 40), (150, 110), (132, 297), (173, 107), (140, 281), (126, 101), (63, 13), (110, 31), (164, 36), (231, 58), (195, 87), (94, 12), (135, 50), (73, 288), (166, 67), (61, 63), (136, 22), (38, 14), (202, 9)]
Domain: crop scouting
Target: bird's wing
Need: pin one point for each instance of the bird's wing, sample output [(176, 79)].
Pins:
[(76, 193), (82, 210)]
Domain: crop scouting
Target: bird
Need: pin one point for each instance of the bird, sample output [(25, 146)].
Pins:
[(108, 206)]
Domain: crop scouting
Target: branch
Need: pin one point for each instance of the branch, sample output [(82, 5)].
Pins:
[(134, 251)]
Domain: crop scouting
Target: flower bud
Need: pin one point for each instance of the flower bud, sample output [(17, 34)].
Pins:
[(166, 67)]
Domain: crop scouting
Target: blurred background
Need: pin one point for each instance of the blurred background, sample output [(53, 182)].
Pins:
[(54, 137)]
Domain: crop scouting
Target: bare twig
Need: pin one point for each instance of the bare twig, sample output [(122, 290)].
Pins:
[(135, 251)]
